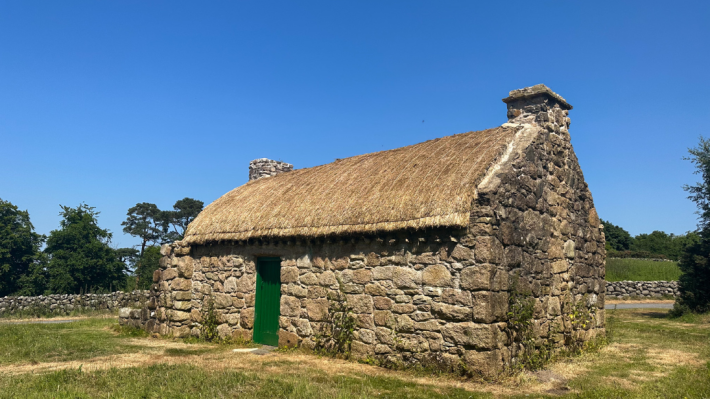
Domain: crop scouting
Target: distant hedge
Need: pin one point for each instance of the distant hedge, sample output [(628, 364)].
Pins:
[(635, 255)]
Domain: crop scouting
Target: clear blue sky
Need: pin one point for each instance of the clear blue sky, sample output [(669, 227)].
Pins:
[(118, 102)]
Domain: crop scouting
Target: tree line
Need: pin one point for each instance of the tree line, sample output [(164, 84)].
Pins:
[(78, 256), (692, 250), (658, 244)]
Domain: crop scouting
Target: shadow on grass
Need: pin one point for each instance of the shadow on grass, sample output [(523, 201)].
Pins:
[(188, 352), (656, 315)]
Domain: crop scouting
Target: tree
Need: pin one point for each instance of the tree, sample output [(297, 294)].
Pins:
[(80, 258), (617, 238), (19, 248), (145, 221), (694, 282), (148, 264), (152, 226), (184, 211), (659, 242), (127, 255)]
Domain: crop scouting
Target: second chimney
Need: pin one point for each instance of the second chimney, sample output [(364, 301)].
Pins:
[(264, 167)]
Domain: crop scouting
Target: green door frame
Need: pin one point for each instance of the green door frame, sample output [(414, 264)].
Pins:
[(267, 307)]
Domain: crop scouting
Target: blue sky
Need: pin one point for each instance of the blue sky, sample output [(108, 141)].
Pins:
[(115, 103)]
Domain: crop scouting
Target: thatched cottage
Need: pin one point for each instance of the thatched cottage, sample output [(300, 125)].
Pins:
[(428, 244)]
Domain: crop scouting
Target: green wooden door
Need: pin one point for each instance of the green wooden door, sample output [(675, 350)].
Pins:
[(268, 301)]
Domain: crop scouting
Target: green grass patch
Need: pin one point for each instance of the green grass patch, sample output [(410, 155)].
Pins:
[(128, 331), (651, 356), (82, 339), (186, 381), (43, 312), (641, 270)]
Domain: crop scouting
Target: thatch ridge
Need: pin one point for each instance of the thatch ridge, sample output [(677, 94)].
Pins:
[(426, 185)]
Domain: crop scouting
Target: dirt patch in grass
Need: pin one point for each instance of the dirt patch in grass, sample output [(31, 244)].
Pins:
[(165, 343), (672, 357), (572, 368), (624, 383), (625, 351), (93, 364), (151, 351)]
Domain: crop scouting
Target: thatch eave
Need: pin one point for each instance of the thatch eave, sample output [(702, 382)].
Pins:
[(426, 185)]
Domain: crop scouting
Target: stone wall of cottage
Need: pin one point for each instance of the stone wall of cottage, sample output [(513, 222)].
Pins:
[(533, 230), (538, 222), (445, 292), (412, 295)]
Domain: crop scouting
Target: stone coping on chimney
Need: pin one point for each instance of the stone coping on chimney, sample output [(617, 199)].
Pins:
[(536, 90)]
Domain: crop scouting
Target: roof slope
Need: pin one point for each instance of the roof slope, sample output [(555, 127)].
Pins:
[(429, 184)]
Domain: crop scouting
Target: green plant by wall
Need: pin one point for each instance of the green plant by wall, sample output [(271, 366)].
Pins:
[(337, 339), (581, 316), (521, 308), (520, 313), (208, 328)]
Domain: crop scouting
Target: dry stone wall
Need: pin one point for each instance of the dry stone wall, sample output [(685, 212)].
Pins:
[(65, 304), (411, 295), (641, 289)]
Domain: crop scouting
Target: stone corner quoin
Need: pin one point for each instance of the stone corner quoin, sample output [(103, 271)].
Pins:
[(444, 292)]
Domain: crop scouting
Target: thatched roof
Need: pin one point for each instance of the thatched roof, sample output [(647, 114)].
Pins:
[(431, 184)]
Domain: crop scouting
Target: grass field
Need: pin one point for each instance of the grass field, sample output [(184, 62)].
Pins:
[(650, 356), (641, 270)]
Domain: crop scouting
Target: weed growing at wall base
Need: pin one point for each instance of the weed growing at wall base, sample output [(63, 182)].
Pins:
[(521, 307), (208, 328), (337, 335)]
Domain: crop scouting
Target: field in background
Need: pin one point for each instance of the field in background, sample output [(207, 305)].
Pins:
[(641, 270)]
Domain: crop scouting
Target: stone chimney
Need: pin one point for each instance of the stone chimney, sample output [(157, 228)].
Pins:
[(264, 167), (538, 104)]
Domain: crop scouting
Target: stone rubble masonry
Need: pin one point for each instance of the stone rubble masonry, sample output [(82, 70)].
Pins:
[(415, 294), (540, 105), (641, 289), (264, 167), (65, 304)]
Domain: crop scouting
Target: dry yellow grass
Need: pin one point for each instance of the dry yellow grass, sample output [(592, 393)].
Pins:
[(431, 184)]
